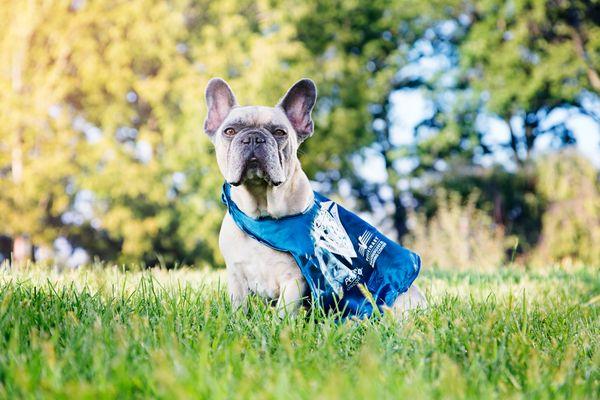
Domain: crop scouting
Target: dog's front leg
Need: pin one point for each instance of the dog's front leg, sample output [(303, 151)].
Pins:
[(290, 297), (238, 289)]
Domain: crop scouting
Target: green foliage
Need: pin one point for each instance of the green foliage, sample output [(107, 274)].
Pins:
[(38, 147), (111, 102), (353, 67), (511, 199), (571, 224), (459, 236), (544, 48), (104, 334), (513, 61), (102, 107)]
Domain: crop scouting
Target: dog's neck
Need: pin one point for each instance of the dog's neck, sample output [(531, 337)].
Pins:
[(260, 199)]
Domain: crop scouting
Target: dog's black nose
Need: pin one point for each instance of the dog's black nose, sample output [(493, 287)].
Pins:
[(253, 138)]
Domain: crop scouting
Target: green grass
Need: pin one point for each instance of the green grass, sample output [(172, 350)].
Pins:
[(103, 333)]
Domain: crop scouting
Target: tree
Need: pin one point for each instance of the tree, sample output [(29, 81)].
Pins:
[(531, 57), (512, 61), (166, 207), (361, 49), (515, 62), (38, 147), (101, 128), (116, 88)]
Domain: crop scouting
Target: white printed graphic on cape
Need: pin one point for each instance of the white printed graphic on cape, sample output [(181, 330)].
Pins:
[(370, 247), (363, 242), (331, 238)]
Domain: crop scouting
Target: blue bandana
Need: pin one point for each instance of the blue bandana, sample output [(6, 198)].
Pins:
[(339, 254)]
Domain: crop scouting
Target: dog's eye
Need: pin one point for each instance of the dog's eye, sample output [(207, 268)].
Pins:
[(280, 132), (229, 131)]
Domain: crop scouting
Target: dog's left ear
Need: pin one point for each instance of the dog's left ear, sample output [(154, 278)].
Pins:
[(297, 104)]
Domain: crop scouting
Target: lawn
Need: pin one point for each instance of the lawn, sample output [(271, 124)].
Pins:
[(104, 333)]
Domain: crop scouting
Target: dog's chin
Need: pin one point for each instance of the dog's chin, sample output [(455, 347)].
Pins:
[(255, 175)]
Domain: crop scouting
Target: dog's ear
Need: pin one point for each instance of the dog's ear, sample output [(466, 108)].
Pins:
[(297, 104), (219, 101)]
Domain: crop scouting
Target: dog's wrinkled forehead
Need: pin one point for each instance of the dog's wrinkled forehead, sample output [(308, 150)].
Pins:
[(256, 117)]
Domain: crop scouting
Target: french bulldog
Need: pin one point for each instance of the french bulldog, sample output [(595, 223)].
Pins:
[(256, 149)]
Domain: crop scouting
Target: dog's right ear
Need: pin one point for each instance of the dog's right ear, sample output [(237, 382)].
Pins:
[(219, 101)]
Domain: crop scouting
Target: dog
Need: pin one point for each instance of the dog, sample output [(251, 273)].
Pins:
[(256, 150)]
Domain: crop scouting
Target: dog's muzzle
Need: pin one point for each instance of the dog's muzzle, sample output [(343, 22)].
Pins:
[(257, 158)]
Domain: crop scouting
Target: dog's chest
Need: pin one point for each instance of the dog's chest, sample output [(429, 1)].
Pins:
[(254, 267)]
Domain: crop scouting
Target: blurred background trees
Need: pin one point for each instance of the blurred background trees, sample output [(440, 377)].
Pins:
[(444, 121)]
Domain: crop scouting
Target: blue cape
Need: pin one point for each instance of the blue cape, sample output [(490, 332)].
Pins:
[(337, 252)]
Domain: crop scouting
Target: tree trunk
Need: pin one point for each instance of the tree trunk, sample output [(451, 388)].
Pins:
[(579, 42), (514, 141), (399, 217)]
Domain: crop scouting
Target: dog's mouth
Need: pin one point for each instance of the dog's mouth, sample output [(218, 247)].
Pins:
[(255, 173), (253, 163), (254, 170)]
